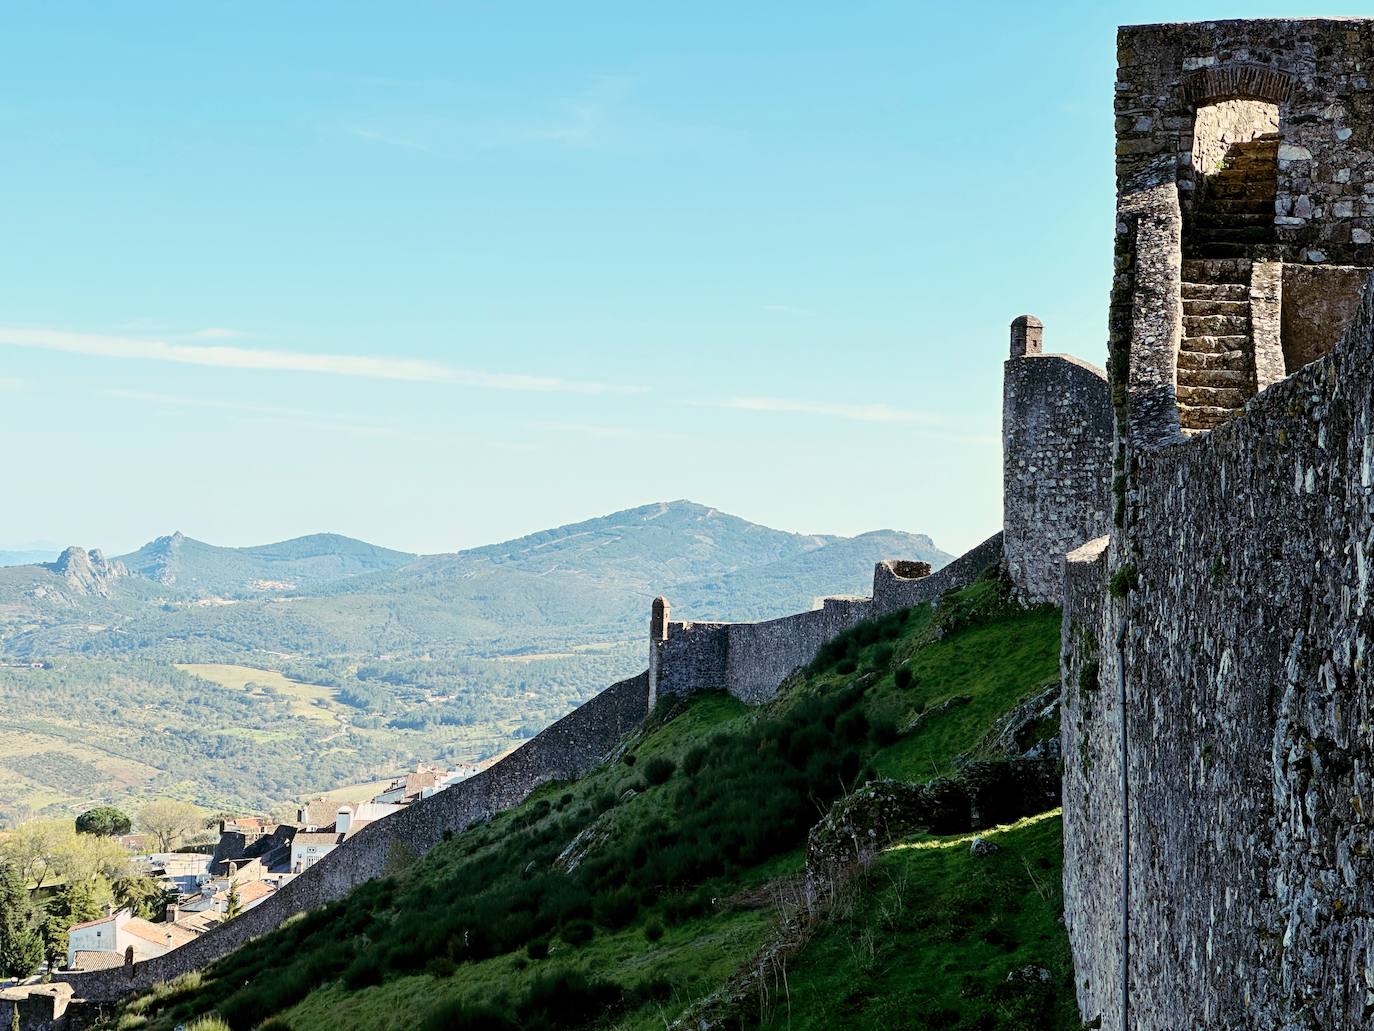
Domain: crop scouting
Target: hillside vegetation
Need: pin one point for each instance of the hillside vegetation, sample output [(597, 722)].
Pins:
[(651, 887), (391, 657)]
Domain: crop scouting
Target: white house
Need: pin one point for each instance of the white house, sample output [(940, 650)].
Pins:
[(116, 934), (307, 849)]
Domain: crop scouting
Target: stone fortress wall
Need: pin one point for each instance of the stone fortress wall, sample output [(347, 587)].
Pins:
[(1057, 427), (751, 660), (1216, 695), (565, 750)]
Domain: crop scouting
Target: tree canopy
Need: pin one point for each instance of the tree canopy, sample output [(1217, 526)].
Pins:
[(104, 820)]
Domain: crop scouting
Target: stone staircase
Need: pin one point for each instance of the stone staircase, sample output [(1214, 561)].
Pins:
[(1231, 225), (1233, 216), (1216, 359)]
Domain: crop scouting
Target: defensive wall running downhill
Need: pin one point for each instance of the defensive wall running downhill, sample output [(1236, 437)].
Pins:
[(568, 749), (751, 660)]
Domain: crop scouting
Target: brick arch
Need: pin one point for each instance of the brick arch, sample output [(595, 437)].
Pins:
[(1226, 81)]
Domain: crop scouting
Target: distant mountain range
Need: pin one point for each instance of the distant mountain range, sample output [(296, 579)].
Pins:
[(298, 564), (567, 586)]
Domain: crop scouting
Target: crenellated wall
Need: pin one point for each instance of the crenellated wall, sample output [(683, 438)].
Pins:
[(568, 749), (1057, 427)]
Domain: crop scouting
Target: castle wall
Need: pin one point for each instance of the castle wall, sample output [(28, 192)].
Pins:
[(1090, 742), (892, 592), (1249, 704), (1057, 426), (564, 751), (751, 660), (1315, 70)]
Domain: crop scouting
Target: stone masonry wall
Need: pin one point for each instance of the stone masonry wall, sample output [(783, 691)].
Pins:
[(751, 660), (1317, 72), (1090, 742), (566, 750), (1057, 426), (1243, 565)]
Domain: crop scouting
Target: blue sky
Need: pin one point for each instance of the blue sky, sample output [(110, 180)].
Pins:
[(438, 275)]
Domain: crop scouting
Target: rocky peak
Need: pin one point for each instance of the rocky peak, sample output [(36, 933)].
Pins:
[(87, 572)]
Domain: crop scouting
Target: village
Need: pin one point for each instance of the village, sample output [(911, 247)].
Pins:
[(160, 894)]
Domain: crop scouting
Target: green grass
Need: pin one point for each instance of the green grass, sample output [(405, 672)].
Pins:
[(931, 941), (692, 824)]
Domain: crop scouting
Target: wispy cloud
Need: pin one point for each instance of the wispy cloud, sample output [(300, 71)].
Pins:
[(217, 333), (9, 384), (299, 417), (856, 413), (265, 360), (601, 114)]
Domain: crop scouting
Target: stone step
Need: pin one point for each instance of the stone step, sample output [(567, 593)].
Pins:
[(1197, 417), (1222, 361), (1216, 325), (1208, 219), (1216, 270), (1218, 249), (1252, 190), (1212, 397), (1226, 233), (1227, 379), (1237, 206), (1214, 344), (1215, 292), (1211, 306)]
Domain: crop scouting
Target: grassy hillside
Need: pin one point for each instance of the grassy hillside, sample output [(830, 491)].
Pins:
[(625, 898)]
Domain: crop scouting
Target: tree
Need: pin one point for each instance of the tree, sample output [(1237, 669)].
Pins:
[(91, 859), (233, 905), (70, 904), (21, 948), (169, 820), (32, 846), (141, 895), (104, 820)]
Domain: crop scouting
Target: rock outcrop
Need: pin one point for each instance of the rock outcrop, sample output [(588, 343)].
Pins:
[(87, 572)]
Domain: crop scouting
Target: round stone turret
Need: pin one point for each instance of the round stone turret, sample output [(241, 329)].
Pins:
[(1027, 336)]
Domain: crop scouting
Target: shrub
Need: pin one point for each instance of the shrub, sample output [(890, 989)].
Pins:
[(577, 932), (694, 760), (616, 909), (882, 657), (846, 666), (460, 1016), (537, 948), (658, 769), (653, 930), (903, 678)]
